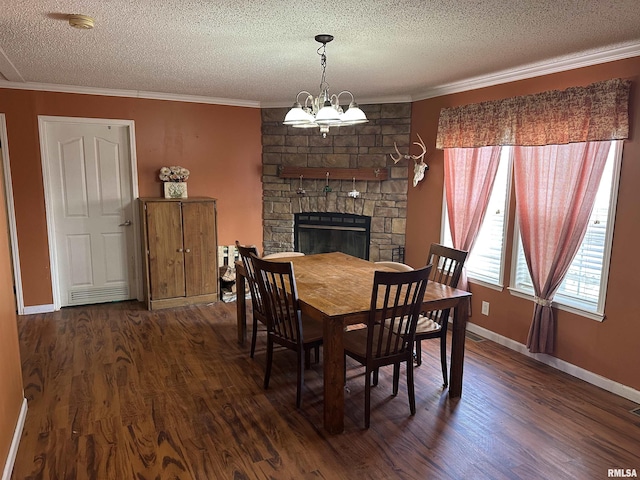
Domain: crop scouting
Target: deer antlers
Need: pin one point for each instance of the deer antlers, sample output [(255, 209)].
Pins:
[(415, 158), (419, 166)]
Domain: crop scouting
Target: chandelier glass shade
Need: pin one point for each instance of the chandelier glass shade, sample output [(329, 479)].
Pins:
[(323, 111)]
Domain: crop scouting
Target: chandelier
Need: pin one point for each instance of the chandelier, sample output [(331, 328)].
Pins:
[(323, 111)]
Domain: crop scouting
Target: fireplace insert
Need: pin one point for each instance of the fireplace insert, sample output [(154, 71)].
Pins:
[(321, 232)]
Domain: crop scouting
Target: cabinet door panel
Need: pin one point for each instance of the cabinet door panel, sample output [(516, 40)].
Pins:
[(166, 257), (199, 230)]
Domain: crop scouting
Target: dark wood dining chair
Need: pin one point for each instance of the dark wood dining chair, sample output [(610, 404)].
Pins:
[(286, 325), (259, 314), (390, 333), (447, 267)]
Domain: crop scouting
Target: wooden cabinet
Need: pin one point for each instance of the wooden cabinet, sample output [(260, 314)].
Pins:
[(180, 251)]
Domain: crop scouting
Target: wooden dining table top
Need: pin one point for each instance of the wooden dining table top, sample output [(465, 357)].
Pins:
[(340, 285)]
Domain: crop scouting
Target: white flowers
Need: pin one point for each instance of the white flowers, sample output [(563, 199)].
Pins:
[(174, 174)]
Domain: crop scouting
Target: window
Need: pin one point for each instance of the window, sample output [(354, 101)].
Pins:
[(485, 263), (584, 287)]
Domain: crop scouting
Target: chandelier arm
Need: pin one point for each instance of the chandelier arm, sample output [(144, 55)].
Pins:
[(300, 93)]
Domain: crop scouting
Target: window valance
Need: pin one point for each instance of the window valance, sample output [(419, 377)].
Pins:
[(599, 111)]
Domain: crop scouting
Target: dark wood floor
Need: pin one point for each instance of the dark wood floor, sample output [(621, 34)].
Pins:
[(116, 392)]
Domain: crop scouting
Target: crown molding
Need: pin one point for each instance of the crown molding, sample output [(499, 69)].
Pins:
[(505, 76), (532, 70), (128, 93), (361, 101)]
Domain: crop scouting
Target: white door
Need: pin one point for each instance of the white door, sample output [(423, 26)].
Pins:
[(88, 168)]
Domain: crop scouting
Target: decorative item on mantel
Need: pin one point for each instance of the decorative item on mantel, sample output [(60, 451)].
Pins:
[(175, 181)]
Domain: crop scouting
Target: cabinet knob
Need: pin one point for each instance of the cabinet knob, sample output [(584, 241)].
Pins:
[(188, 250), (180, 250)]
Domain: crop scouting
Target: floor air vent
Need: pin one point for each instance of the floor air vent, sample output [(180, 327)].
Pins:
[(98, 295), (475, 338)]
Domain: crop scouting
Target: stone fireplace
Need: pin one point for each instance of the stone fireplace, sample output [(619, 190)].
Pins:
[(359, 146)]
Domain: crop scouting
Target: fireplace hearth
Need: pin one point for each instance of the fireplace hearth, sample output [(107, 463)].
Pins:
[(322, 232)]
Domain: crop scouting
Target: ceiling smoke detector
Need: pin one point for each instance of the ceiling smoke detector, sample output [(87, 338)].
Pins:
[(81, 21)]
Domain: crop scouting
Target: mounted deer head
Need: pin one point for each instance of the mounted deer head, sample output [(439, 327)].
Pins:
[(419, 165)]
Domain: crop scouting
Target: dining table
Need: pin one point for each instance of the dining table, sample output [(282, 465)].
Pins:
[(335, 289)]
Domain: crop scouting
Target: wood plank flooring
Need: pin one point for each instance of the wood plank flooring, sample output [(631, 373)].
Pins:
[(117, 392)]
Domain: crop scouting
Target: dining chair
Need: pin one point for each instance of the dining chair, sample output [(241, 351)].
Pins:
[(286, 325), (256, 300), (282, 255), (400, 267), (388, 339), (447, 267)]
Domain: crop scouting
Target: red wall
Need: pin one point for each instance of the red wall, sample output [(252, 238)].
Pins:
[(609, 348), (221, 145)]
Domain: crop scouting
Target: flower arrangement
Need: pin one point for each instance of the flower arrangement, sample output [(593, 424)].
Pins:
[(174, 174)]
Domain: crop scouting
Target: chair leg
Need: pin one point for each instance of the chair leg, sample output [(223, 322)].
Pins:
[(410, 387), (267, 372), (307, 358), (443, 359), (301, 365), (253, 337), (396, 378), (367, 399), (375, 377), (418, 352)]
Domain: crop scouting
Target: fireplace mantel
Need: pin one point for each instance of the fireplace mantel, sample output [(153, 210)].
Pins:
[(316, 173)]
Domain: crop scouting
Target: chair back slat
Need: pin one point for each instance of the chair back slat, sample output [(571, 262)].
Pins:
[(447, 268), (395, 306), (256, 300), (447, 264), (277, 284)]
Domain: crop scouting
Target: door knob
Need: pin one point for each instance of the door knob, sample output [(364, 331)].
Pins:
[(125, 224)]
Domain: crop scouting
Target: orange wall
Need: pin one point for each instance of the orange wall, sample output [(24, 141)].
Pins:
[(10, 369), (610, 348), (221, 145)]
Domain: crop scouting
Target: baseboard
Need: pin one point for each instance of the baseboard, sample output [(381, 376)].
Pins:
[(13, 450), (566, 367), (38, 309)]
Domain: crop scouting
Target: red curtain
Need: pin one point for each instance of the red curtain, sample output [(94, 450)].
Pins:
[(555, 186), (469, 174)]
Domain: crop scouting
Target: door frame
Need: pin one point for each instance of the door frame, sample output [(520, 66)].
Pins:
[(48, 194), (11, 215)]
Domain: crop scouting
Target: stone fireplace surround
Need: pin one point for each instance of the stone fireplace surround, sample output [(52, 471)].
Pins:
[(360, 146)]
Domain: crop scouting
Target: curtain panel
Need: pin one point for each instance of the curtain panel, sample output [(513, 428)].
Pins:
[(599, 111)]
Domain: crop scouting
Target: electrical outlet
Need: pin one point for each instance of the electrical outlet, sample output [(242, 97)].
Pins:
[(485, 308)]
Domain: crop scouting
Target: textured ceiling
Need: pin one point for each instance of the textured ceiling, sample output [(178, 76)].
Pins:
[(262, 52)]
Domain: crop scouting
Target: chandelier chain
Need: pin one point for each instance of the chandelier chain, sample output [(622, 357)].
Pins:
[(323, 63)]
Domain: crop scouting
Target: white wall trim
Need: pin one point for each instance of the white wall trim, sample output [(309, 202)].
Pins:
[(17, 434), (174, 97), (11, 214), (587, 59), (130, 124), (35, 309), (566, 367)]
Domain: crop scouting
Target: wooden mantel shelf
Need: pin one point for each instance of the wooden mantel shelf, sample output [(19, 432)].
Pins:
[(373, 174)]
